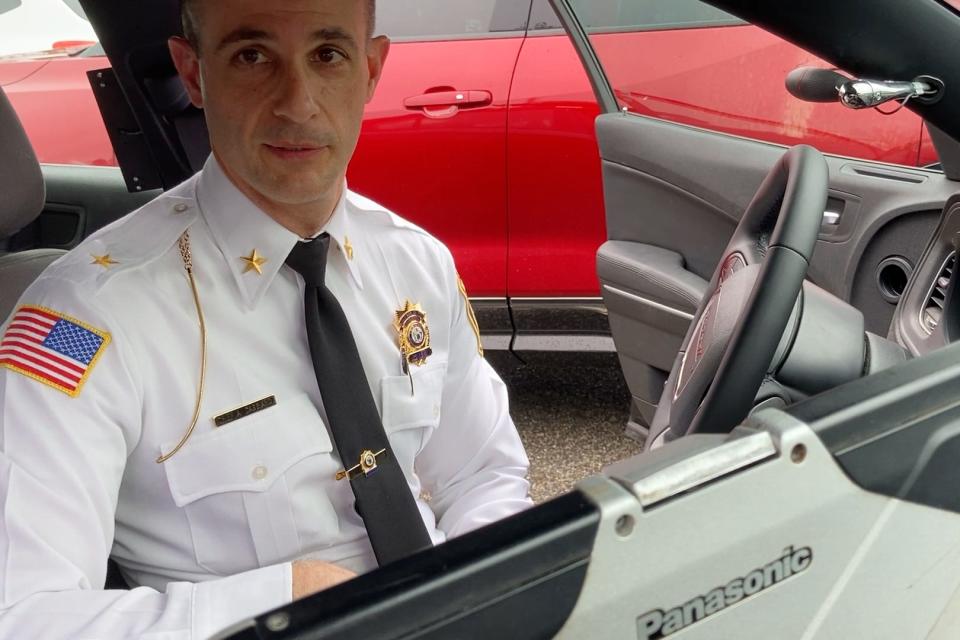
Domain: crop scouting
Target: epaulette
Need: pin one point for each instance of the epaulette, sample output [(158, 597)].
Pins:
[(382, 214), (132, 242)]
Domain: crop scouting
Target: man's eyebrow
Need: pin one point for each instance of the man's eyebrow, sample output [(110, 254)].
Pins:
[(335, 34), (242, 34)]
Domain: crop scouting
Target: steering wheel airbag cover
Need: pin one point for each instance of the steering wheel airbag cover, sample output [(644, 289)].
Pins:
[(716, 326)]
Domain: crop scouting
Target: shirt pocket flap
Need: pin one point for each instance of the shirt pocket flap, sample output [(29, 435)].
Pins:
[(421, 408), (249, 454)]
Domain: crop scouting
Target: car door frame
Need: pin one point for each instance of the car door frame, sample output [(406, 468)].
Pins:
[(646, 382)]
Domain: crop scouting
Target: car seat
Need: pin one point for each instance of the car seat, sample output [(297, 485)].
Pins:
[(22, 194)]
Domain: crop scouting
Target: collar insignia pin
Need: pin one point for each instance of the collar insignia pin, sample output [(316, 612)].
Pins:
[(348, 248), (414, 335), (254, 262)]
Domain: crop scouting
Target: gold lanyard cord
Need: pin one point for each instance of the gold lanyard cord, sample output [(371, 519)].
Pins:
[(187, 257)]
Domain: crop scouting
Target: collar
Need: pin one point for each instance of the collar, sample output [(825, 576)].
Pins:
[(340, 227), (253, 244)]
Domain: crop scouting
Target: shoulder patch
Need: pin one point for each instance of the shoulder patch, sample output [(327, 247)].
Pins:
[(471, 316), (52, 348)]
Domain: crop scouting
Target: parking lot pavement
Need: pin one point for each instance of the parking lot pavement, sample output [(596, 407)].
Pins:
[(570, 409)]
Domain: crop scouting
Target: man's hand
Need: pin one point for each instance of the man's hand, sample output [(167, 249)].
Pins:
[(311, 576)]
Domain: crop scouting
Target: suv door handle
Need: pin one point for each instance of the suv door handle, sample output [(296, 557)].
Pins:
[(445, 104)]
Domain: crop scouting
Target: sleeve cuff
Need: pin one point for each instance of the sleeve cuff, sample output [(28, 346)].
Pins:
[(222, 603)]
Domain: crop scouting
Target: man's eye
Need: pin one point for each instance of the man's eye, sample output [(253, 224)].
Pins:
[(250, 57), (328, 55)]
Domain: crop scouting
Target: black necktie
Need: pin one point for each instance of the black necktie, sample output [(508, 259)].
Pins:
[(383, 498)]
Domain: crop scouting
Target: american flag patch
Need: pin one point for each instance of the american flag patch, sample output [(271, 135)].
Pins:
[(52, 348)]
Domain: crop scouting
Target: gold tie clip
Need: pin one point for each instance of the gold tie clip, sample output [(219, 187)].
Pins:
[(367, 465)]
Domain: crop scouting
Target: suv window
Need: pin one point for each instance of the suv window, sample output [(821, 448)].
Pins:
[(644, 15), (439, 19)]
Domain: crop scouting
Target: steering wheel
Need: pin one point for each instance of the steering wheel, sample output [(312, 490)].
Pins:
[(740, 323)]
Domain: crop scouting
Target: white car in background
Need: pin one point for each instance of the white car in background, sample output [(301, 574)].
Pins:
[(34, 28)]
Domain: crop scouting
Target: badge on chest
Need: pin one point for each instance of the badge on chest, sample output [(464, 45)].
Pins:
[(413, 334)]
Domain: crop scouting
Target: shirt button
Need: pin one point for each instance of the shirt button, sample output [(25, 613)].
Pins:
[(259, 472), (436, 411), (181, 208)]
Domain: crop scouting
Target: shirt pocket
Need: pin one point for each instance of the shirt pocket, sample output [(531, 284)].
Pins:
[(236, 486), (409, 418)]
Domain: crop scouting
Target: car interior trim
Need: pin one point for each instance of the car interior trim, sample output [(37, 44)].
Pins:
[(908, 327), (865, 424), (952, 255), (650, 303)]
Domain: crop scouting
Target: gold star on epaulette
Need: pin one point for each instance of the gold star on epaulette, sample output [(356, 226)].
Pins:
[(104, 261), (254, 262)]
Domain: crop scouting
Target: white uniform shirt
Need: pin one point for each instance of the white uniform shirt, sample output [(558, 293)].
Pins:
[(78, 475)]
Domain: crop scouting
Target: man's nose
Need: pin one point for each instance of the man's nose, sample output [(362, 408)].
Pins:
[(295, 98)]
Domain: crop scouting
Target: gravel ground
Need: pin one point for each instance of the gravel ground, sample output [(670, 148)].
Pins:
[(570, 410)]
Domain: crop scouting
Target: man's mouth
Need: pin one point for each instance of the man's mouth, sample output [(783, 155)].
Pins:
[(294, 150)]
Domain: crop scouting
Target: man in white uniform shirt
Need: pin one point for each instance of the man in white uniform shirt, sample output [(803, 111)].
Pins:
[(222, 505)]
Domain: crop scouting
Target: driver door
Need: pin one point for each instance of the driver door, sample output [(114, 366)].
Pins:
[(694, 114)]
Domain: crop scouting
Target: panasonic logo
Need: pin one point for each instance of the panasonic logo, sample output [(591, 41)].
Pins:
[(660, 624)]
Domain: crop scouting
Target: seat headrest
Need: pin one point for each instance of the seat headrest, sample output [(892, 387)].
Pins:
[(21, 183)]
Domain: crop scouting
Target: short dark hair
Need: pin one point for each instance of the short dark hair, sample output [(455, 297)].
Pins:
[(191, 28)]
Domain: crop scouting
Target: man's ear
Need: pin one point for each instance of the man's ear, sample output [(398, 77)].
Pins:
[(377, 50), (187, 62)]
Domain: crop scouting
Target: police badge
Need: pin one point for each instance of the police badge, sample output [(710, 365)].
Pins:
[(414, 335)]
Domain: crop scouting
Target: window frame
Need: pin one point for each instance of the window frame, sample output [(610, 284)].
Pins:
[(491, 35), (451, 37), (540, 5)]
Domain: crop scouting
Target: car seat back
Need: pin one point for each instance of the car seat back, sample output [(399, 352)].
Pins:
[(22, 194)]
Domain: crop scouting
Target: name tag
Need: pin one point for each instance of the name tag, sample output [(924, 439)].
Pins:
[(246, 410)]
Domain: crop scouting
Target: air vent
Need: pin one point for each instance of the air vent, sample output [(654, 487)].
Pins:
[(933, 308)]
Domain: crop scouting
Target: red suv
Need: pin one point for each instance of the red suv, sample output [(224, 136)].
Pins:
[(484, 104)]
